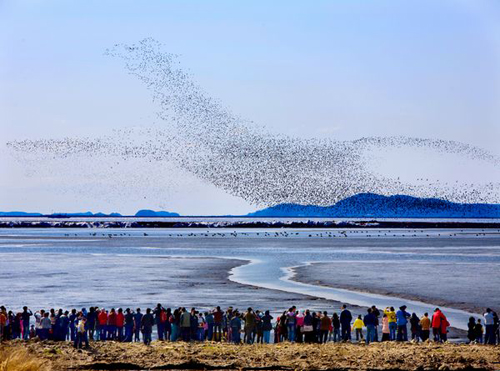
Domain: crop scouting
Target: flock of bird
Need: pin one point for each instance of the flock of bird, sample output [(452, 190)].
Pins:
[(202, 137)]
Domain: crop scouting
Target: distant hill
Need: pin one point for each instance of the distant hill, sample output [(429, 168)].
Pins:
[(86, 214), (366, 205), (18, 213), (153, 214)]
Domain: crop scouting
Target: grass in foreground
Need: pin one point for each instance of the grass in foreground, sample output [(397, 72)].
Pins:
[(214, 356)]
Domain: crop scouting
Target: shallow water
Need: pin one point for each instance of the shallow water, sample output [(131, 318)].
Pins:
[(127, 263)]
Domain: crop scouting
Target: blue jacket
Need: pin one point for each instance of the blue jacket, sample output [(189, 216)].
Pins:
[(370, 319), (402, 317)]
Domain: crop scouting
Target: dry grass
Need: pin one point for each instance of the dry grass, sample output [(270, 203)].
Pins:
[(285, 356), (19, 359)]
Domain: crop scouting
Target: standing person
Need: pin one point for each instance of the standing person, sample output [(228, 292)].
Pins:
[(402, 317), (326, 322), (64, 326), (259, 327), (249, 319), (471, 330), (103, 323), (235, 324), (218, 317), (137, 324), (158, 320), (3, 322), (437, 317), (393, 326), (496, 327), (336, 327), (489, 325), (358, 328), (370, 322), (81, 332), (386, 333), (26, 322), (267, 326), (112, 324), (291, 319), (129, 325), (376, 314), (120, 322), (345, 323), (91, 322), (479, 331), (147, 324), (308, 327), (425, 325), (209, 319), (444, 328), (167, 315), (415, 327), (175, 321), (185, 325)]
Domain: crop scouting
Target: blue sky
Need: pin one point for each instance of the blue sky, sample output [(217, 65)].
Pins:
[(336, 69)]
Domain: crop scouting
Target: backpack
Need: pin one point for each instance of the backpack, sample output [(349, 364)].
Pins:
[(163, 316)]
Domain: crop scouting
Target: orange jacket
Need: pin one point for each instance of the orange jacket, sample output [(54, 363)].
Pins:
[(120, 319)]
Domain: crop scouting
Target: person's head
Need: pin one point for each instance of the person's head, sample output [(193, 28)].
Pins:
[(325, 313), (426, 314), (267, 312), (436, 310), (138, 310), (335, 315), (66, 313), (472, 319), (369, 310), (392, 309), (488, 310), (158, 305), (127, 310), (148, 311), (46, 314), (73, 311), (120, 310), (218, 309), (403, 308), (25, 309), (344, 306), (359, 316), (307, 312), (478, 320), (249, 310), (384, 315), (112, 310)]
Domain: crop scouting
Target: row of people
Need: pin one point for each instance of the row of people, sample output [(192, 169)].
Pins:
[(217, 325)]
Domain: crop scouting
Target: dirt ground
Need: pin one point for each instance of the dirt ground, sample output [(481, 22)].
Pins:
[(285, 356)]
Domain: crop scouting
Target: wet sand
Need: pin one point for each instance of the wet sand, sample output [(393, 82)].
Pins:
[(441, 284), (285, 356)]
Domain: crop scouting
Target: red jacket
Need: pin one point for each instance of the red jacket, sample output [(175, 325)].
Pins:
[(437, 318), (103, 318), (112, 319), (120, 319)]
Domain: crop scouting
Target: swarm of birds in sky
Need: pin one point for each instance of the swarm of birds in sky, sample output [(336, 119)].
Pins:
[(203, 138)]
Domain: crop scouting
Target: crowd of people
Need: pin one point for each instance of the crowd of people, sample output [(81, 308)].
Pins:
[(231, 325)]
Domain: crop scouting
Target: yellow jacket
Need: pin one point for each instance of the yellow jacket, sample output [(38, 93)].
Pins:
[(391, 315), (358, 324)]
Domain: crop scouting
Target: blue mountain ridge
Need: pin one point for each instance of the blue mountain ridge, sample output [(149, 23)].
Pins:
[(140, 213), (367, 205)]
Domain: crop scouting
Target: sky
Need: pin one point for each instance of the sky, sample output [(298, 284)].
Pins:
[(323, 69)]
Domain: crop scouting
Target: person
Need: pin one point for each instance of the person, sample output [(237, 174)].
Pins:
[(391, 317), (81, 332), (129, 325), (91, 322), (267, 327), (415, 327), (308, 327), (32, 332), (147, 323), (193, 321), (444, 328), (249, 319), (336, 327), (63, 326), (111, 328), (496, 327), (102, 318), (437, 318), (402, 317), (326, 322), (218, 317), (209, 319), (185, 325), (26, 314), (386, 334), (471, 330), (291, 320), (175, 320), (376, 314), (45, 326), (235, 324), (489, 325), (425, 326), (345, 323), (157, 312), (358, 328), (120, 322), (479, 331), (167, 315), (137, 324), (3, 323), (72, 324), (370, 322)]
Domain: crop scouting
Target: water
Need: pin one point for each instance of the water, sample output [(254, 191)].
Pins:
[(61, 267)]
